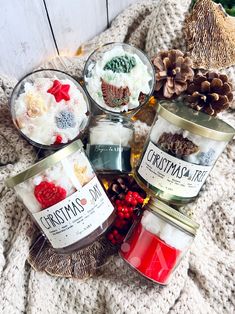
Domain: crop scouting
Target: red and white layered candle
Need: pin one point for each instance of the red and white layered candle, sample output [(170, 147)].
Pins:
[(154, 246)]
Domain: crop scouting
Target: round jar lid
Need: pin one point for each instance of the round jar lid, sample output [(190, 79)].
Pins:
[(107, 118), (44, 164), (196, 122), (173, 216)]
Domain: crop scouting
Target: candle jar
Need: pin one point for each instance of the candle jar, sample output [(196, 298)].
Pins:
[(65, 199), (181, 150), (156, 243), (110, 139), (119, 78), (50, 109)]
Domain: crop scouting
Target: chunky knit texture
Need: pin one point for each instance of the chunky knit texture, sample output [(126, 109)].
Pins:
[(204, 281)]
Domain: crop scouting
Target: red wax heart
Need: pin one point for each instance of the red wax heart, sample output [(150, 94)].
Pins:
[(48, 194), (59, 91)]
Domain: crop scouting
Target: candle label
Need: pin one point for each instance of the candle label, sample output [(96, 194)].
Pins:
[(170, 174), (76, 216), (110, 157)]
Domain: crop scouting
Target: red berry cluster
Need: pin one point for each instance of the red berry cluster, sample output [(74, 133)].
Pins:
[(126, 209)]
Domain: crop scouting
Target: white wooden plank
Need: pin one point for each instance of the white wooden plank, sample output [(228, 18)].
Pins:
[(76, 21), (117, 6), (25, 36)]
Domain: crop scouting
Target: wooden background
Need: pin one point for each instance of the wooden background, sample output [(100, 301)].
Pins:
[(33, 30)]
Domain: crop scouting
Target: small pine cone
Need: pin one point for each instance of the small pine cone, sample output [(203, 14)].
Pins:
[(177, 145), (173, 72), (210, 93), (121, 185)]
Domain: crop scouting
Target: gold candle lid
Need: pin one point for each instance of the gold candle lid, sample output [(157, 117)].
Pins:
[(196, 122), (172, 215), (44, 164)]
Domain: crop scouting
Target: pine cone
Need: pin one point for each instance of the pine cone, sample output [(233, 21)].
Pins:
[(177, 145), (210, 93), (121, 185), (173, 71)]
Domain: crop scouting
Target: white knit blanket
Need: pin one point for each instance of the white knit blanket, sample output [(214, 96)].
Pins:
[(204, 281)]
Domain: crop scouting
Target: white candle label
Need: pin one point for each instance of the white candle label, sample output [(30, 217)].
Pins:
[(76, 216), (170, 174)]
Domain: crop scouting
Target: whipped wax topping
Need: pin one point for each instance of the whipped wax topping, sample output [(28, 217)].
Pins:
[(166, 232), (47, 118), (137, 80), (70, 174), (110, 134)]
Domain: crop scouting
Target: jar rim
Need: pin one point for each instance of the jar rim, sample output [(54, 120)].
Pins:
[(108, 117), (44, 164), (194, 121), (173, 216)]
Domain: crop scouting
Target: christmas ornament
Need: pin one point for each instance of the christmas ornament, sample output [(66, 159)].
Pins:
[(65, 119), (173, 72), (121, 64), (176, 144), (48, 194), (210, 36), (115, 96), (60, 91), (211, 93)]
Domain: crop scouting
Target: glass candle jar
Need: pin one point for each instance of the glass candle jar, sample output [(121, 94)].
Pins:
[(157, 242), (110, 139), (119, 78), (65, 198), (50, 108), (181, 150)]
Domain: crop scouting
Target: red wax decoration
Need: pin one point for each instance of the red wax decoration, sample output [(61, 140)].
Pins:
[(48, 194), (59, 91), (150, 255), (58, 139)]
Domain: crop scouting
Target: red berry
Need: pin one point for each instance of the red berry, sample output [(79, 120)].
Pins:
[(129, 193), (127, 215), (136, 194), (140, 200), (120, 214), (128, 198), (117, 202), (113, 241), (125, 209), (58, 139), (131, 209), (110, 236), (134, 202), (119, 208), (115, 232)]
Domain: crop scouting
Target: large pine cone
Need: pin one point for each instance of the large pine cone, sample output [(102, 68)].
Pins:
[(173, 71), (210, 93), (177, 145)]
